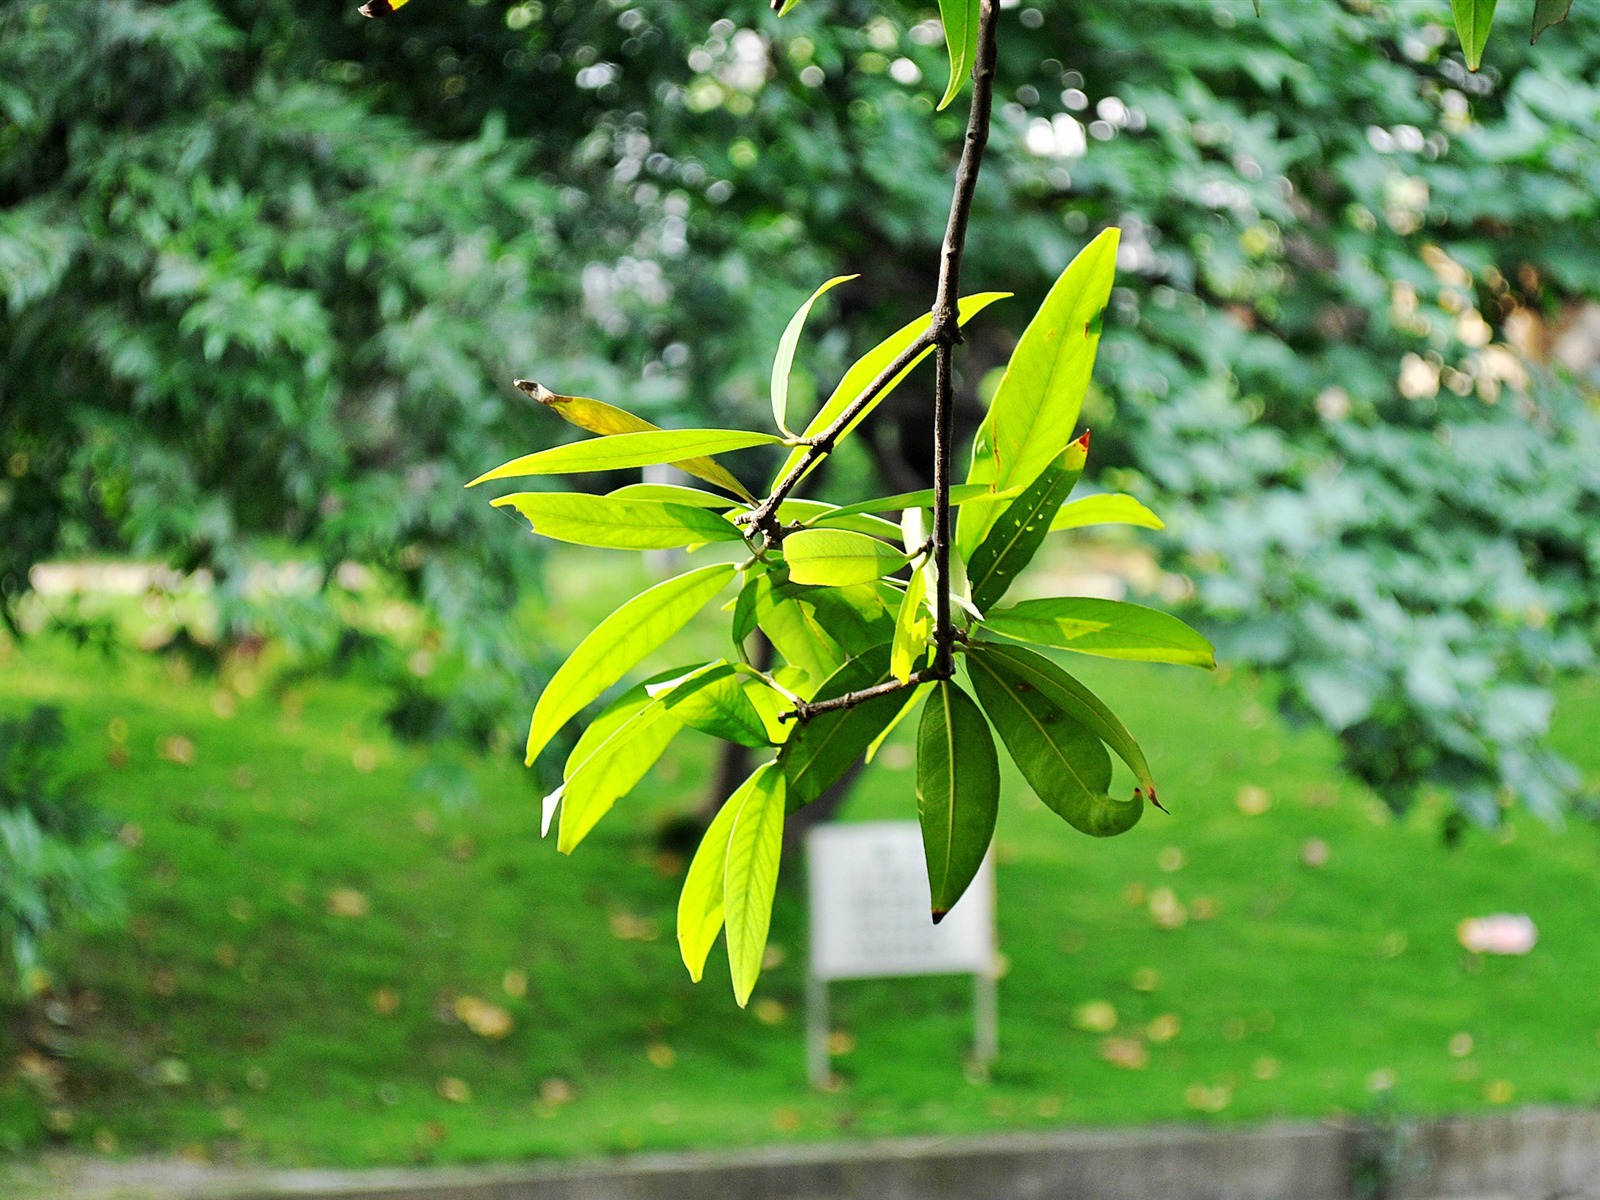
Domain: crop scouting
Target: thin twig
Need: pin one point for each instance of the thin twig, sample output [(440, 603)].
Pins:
[(805, 710), (946, 328)]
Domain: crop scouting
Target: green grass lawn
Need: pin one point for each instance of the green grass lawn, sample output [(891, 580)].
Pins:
[(309, 905)]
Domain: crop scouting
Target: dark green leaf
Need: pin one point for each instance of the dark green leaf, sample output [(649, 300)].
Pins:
[(794, 630), (715, 702), (1077, 701), (822, 749), (1547, 13), (1016, 536), (1066, 765), (1108, 628), (958, 792)]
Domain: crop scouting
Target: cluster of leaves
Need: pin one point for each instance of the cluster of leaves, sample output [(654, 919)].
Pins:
[(846, 598), (56, 862)]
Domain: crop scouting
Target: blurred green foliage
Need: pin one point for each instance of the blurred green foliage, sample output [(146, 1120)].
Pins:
[(265, 269)]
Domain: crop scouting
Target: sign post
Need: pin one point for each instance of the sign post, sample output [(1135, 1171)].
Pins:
[(870, 919)]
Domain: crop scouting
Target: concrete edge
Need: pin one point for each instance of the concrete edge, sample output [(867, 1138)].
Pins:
[(1532, 1154)]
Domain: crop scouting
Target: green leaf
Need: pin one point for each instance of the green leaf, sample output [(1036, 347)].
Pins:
[(794, 630), (1077, 701), (715, 702), (784, 362), (1547, 13), (837, 557), (1016, 536), (1108, 509), (960, 18), (1035, 409), (913, 627), (912, 695), (1066, 765), (700, 902), (634, 630), (672, 493), (870, 365), (619, 524), (613, 768), (1473, 18), (750, 877), (857, 617), (599, 417), (958, 792), (785, 6), (622, 450), (815, 512), (959, 494), (822, 749), (1108, 628), (744, 617)]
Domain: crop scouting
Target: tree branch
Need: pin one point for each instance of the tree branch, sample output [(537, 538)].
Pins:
[(946, 328), (804, 711)]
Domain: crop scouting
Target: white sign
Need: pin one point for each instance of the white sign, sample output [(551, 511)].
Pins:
[(870, 918), (870, 907)]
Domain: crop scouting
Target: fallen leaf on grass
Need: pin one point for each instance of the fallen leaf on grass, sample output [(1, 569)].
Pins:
[(385, 1002), (177, 749), (514, 983), (1164, 1028), (483, 1018), (1208, 1099), (661, 1055), (454, 1090), (1128, 1053), (348, 902), (1095, 1016)]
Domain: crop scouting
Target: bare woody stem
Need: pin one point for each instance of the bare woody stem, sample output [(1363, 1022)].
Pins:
[(946, 328), (943, 334)]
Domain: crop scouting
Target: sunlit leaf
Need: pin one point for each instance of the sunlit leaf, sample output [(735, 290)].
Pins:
[(1035, 408), (815, 512), (960, 20), (672, 493), (912, 695), (913, 627), (958, 792), (750, 879), (1067, 693), (700, 902), (634, 630), (822, 749), (837, 557), (1065, 764), (381, 8), (794, 630), (1547, 13), (858, 616), (1108, 509), (618, 524), (959, 494), (1108, 628), (1473, 18), (599, 417), (870, 365), (715, 703), (1020, 529), (619, 451), (784, 362)]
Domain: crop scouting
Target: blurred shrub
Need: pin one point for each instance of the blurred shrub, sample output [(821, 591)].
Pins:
[(57, 863)]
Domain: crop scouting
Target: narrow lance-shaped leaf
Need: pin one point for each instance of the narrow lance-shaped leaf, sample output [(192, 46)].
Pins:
[(1021, 528), (913, 627), (619, 451), (1035, 408), (815, 512), (1083, 706), (673, 493), (959, 494), (700, 902), (1108, 628), (960, 20), (1107, 509), (1473, 18), (1066, 765), (794, 630), (837, 557), (958, 792), (822, 749), (874, 362), (604, 521), (912, 695), (715, 702), (634, 630), (1547, 13), (599, 417), (750, 876), (783, 364)]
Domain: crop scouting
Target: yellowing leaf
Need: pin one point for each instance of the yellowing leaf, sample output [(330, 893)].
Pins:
[(587, 520), (599, 417), (622, 450), (634, 630)]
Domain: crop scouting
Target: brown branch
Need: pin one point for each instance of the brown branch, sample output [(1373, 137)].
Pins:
[(946, 328), (805, 711)]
